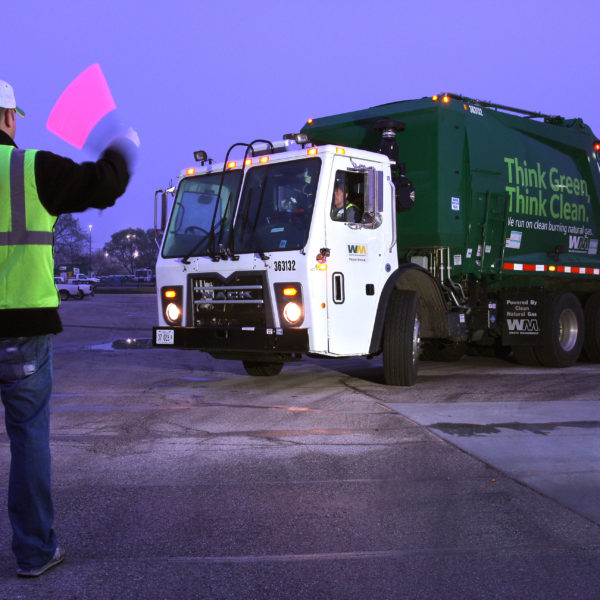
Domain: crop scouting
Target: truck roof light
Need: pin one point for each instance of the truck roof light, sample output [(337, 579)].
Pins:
[(263, 159), (445, 98), (310, 121), (299, 138), (435, 98), (190, 171), (248, 162), (340, 150), (231, 164), (312, 151)]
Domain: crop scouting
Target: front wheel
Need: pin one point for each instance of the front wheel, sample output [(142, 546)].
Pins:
[(262, 369), (401, 338)]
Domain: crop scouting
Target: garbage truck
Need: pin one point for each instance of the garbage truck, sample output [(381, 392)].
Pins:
[(416, 230)]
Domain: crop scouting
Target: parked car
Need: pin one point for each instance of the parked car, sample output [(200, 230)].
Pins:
[(72, 290), (83, 278)]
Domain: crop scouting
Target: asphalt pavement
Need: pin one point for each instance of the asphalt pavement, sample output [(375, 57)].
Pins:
[(179, 476)]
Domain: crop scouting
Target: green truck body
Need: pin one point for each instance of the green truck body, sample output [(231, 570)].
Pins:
[(496, 188), (505, 218)]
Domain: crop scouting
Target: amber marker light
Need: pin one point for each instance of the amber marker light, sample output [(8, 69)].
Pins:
[(248, 162), (310, 121), (597, 146), (551, 268), (190, 171), (322, 267), (170, 294), (263, 159), (446, 99), (290, 291), (312, 151), (340, 150), (231, 164), (435, 98)]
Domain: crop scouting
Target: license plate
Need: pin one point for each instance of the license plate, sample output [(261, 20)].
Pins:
[(165, 336)]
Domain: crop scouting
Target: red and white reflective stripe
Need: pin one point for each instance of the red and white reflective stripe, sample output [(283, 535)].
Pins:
[(557, 269)]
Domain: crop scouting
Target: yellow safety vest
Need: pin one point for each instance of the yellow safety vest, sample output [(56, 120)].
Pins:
[(26, 235)]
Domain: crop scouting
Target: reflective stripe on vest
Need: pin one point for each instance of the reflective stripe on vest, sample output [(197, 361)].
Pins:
[(26, 236)]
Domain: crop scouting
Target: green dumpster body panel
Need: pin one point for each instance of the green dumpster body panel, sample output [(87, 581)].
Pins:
[(496, 188)]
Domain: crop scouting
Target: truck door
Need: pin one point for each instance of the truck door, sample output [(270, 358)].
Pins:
[(356, 262)]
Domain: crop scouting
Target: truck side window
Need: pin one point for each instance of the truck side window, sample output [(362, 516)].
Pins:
[(347, 203)]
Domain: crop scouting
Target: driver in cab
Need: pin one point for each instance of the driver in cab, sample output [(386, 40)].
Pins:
[(341, 209)]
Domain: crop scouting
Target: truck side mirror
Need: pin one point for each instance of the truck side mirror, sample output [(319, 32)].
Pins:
[(373, 198), (405, 190)]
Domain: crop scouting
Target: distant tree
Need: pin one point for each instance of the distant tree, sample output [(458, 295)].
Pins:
[(69, 240), (132, 249)]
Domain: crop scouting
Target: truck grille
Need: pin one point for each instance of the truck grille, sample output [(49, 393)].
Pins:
[(239, 301)]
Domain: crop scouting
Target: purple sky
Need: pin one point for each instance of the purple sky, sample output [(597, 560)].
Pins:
[(202, 75)]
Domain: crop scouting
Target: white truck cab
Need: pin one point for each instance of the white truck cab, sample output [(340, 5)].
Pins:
[(279, 254)]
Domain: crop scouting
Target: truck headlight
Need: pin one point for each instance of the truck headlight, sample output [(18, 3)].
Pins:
[(289, 304), (172, 304), (292, 313), (173, 312)]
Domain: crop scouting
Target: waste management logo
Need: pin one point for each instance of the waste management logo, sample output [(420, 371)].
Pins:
[(357, 253), (522, 316)]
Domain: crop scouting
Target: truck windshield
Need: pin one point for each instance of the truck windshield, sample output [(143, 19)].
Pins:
[(192, 215), (276, 206)]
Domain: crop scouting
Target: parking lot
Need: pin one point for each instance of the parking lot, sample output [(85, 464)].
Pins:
[(179, 476)]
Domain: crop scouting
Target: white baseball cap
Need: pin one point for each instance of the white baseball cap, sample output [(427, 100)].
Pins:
[(7, 97)]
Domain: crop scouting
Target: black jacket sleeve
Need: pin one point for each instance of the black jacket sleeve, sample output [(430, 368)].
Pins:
[(65, 186)]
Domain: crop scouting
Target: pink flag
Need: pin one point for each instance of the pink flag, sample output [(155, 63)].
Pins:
[(81, 106)]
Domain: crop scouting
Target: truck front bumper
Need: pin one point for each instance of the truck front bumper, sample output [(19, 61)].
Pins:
[(232, 341)]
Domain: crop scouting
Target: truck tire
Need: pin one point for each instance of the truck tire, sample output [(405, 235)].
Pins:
[(262, 369), (401, 338), (63, 295), (591, 340), (563, 328)]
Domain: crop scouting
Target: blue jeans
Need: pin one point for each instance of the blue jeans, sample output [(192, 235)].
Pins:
[(25, 387)]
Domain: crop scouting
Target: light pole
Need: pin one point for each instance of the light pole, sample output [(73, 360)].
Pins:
[(90, 254)]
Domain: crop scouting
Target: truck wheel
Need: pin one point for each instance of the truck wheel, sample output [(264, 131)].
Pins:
[(401, 338), (80, 295), (563, 331), (591, 340), (63, 295), (262, 369)]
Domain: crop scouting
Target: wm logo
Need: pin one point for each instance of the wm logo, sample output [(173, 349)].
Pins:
[(522, 325), (357, 249), (578, 242)]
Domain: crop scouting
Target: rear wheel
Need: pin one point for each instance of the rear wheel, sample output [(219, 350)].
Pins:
[(563, 331), (63, 294), (401, 338), (591, 341), (262, 369)]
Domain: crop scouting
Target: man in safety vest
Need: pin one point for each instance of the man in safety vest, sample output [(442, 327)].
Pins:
[(35, 188)]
